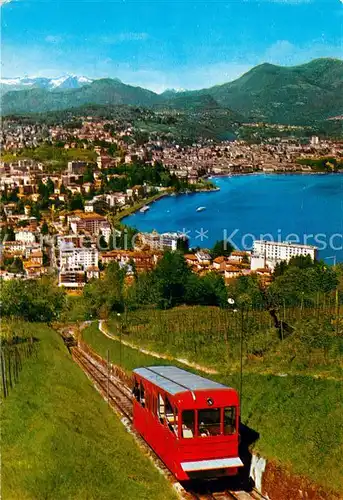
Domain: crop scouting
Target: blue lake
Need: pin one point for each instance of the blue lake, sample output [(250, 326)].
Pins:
[(303, 208)]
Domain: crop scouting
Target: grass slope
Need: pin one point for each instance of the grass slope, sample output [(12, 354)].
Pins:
[(298, 417), (53, 156), (60, 440), (211, 336)]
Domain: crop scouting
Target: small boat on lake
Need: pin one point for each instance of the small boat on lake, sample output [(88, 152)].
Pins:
[(200, 209), (144, 209)]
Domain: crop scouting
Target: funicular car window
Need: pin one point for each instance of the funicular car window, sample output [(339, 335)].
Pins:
[(136, 391), (161, 409), (229, 420), (188, 423), (209, 422), (142, 393), (171, 416)]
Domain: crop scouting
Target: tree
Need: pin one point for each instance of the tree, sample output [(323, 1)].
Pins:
[(76, 202), (299, 261), (301, 285), (112, 150), (32, 300), (88, 176), (208, 290), (133, 267), (103, 243), (7, 234), (246, 291), (171, 276), (105, 296), (16, 266), (215, 292), (35, 211), (182, 244), (144, 291), (44, 229), (50, 187), (221, 248)]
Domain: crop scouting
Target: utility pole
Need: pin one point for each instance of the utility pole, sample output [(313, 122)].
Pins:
[(337, 313), (120, 334), (231, 302), (108, 376), (241, 362)]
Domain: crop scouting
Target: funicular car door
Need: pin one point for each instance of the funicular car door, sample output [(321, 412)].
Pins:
[(145, 402), (172, 429), (160, 436)]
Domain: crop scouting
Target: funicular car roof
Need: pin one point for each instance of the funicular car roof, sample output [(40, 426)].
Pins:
[(175, 380)]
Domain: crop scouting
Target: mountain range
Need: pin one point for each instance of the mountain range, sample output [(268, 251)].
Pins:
[(269, 93), (62, 82)]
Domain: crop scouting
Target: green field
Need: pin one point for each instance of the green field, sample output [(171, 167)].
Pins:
[(61, 441), (298, 418), (55, 157), (211, 336)]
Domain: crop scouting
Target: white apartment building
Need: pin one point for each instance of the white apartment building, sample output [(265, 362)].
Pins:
[(276, 251), (114, 199), (164, 241), (23, 247), (25, 236), (77, 258)]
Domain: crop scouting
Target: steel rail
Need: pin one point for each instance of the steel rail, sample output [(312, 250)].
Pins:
[(117, 395)]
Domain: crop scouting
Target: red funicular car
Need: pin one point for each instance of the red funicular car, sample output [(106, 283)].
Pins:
[(189, 421)]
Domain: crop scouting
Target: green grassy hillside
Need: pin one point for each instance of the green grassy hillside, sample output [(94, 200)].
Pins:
[(211, 336), (53, 156), (59, 439)]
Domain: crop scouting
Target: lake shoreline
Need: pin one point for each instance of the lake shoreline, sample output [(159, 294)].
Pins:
[(251, 205), (297, 172), (148, 201)]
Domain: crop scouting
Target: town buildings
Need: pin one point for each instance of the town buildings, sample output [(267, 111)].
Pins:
[(156, 241), (77, 262), (90, 223), (102, 189), (277, 251)]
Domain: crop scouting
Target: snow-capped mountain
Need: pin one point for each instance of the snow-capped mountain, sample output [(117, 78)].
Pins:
[(173, 91), (63, 82)]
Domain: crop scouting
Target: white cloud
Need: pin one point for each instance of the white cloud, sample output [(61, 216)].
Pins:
[(2, 2)]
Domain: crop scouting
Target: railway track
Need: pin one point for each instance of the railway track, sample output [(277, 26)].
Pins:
[(227, 495), (119, 398), (117, 394)]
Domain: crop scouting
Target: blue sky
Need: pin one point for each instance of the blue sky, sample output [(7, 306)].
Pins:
[(162, 44)]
